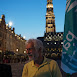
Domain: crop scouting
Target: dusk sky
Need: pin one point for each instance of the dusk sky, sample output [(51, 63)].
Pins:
[(28, 16)]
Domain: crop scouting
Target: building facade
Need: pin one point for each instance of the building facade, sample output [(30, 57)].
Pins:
[(2, 34), (9, 41), (52, 40)]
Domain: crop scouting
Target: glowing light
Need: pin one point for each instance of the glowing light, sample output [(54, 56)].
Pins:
[(17, 50), (24, 51), (10, 23), (50, 5), (7, 24), (0, 19), (24, 37), (48, 43), (0, 50), (55, 43), (61, 42), (15, 34)]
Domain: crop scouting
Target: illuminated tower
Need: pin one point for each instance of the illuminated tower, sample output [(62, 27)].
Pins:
[(52, 40), (50, 18)]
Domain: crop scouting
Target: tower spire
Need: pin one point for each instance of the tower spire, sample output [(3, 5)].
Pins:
[(50, 18)]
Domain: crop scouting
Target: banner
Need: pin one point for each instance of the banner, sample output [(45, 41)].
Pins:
[(69, 52)]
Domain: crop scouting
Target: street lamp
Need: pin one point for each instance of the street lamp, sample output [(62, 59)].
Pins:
[(10, 23), (0, 51), (17, 50), (24, 51), (24, 37)]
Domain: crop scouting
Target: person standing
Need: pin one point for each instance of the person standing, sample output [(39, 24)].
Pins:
[(38, 65)]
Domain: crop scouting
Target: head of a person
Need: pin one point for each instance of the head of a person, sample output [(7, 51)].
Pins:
[(34, 49)]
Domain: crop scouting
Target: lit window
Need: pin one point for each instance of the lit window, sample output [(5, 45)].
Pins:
[(48, 49), (19, 37), (61, 42), (12, 31), (50, 38), (15, 34), (61, 34), (24, 51), (58, 34), (55, 43), (48, 43)]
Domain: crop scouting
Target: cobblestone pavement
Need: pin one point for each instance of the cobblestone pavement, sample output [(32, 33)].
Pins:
[(16, 69)]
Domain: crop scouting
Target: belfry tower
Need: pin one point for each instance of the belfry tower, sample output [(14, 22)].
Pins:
[(50, 18), (52, 40)]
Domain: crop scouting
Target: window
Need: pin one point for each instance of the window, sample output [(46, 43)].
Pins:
[(0, 34), (46, 17), (0, 43), (49, 21), (50, 9)]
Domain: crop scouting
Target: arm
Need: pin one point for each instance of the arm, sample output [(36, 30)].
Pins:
[(25, 72), (55, 69)]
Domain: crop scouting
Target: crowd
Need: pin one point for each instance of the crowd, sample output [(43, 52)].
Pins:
[(14, 60)]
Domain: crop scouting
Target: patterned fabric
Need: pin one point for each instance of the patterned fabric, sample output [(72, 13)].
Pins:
[(69, 54)]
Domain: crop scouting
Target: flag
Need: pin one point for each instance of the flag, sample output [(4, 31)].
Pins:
[(69, 51)]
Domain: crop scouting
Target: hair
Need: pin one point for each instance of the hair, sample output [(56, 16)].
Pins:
[(37, 44)]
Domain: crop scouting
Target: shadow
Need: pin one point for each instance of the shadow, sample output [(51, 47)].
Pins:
[(5, 70)]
